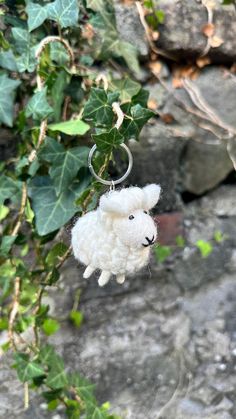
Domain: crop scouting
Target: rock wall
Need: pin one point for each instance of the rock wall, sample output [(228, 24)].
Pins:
[(163, 345)]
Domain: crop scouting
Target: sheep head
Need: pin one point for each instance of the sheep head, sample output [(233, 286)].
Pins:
[(126, 212)]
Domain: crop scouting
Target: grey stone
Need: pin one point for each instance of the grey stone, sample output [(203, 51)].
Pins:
[(153, 348), (130, 28), (181, 32), (157, 150)]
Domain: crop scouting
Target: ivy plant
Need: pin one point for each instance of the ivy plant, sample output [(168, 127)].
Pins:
[(65, 77)]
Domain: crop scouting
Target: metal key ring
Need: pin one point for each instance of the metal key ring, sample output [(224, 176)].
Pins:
[(110, 182)]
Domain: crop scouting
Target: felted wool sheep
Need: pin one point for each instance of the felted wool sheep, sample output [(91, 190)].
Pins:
[(117, 236)]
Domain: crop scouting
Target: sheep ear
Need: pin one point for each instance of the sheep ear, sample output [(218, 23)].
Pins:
[(152, 195), (109, 203)]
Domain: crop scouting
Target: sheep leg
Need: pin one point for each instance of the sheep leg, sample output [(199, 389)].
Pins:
[(120, 279), (88, 271), (104, 278)]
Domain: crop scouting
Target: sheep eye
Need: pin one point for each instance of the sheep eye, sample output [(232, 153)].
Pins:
[(145, 212), (131, 217)]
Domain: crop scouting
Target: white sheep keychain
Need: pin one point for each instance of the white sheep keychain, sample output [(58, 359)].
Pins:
[(117, 236)]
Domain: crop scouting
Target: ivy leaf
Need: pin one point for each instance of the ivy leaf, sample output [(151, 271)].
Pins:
[(6, 245), (64, 12), (59, 54), (27, 369), (99, 108), (52, 212), (204, 247), (141, 98), (50, 326), (107, 141), (57, 377), (22, 39), (8, 188), (7, 60), (76, 317), (127, 88), (7, 96), (65, 163), (83, 386), (132, 125), (38, 106), (58, 250), (4, 211), (72, 127), (129, 53), (58, 93), (36, 15), (46, 354)]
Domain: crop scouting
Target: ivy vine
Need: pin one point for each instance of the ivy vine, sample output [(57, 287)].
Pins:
[(64, 77)]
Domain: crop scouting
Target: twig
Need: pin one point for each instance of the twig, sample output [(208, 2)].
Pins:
[(102, 77), (40, 83), (147, 32), (65, 108), (14, 311), (209, 22), (22, 209), (120, 114), (26, 395)]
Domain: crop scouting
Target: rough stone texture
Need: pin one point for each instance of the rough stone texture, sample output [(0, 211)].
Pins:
[(128, 25), (156, 151), (200, 118), (156, 347), (181, 32)]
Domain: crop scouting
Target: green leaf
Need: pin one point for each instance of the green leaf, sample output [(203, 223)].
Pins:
[(58, 53), (133, 124), (7, 96), (83, 386), (7, 60), (27, 61), (27, 369), (56, 378), (50, 326), (180, 241), (53, 256), (72, 127), (4, 211), (162, 253), (8, 188), (46, 354), (36, 15), (76, 317), (126, 87), (219, 237), (6, 244), (38, 106), (29, 213), (129, 53), (22, 39), (65, 164), (64, 12), (99, 108), (141, 98), (107, 141), (52, 212), (160, 15), (204, 247), (58, 93)]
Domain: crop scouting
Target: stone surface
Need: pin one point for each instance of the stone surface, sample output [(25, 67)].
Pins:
[(181, 33), (204, 124), (159, 346), (156, 151), (130, 29)]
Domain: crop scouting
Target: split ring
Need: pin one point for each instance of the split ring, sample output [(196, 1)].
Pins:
[(110, 182)]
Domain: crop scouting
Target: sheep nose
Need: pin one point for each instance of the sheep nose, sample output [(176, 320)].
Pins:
[(149, 241)]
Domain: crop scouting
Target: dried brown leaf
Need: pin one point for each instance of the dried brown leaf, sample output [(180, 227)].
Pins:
[(208, 30)]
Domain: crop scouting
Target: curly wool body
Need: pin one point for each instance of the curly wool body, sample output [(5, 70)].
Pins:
[(116, 238)]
